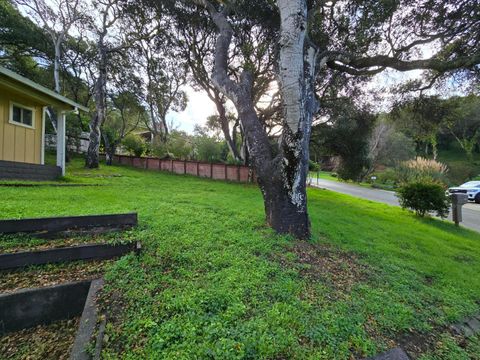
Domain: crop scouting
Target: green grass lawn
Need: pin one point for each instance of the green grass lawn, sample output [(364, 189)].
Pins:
[(214, 282), (326, 175)]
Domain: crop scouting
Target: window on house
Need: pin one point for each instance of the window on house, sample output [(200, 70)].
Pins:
[(21, 115)]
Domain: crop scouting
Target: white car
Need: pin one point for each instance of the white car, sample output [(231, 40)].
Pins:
[(471, 188)]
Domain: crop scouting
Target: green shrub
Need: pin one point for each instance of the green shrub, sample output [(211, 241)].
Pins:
[(388, 176), (231, 160), (313, 166), (134, 144), (386, 179), (208, 149), (179, 145), (423, 196), (159, 149)]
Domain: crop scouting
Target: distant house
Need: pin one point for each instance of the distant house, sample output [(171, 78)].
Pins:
[(147, 135), (77, 144), (23, 105)]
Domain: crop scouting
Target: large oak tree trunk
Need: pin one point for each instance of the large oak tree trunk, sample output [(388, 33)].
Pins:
[(282, 179), (283, 214), (296, 77), (283, 189)]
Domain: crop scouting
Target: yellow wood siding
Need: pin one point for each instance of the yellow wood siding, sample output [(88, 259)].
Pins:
[(19, 143)]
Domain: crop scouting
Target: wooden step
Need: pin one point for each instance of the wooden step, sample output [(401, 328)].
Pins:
[(10, 170)]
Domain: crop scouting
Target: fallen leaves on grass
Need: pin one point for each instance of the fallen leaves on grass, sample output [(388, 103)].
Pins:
[(39, 276), (323, 263), (42, 342), (26, 242)]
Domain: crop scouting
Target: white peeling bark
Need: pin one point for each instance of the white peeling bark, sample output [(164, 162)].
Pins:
[(56, 64), (293, 85), (296, 78), (293, 16)]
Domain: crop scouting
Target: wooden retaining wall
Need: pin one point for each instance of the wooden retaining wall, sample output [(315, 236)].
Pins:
[(217, 171), (88, 252), (31, 307), (10, 170), (57, 224)]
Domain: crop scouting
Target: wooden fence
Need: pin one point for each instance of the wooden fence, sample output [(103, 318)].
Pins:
[(217, 171)]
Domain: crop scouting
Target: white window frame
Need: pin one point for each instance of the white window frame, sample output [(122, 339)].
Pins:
[(13, 122)]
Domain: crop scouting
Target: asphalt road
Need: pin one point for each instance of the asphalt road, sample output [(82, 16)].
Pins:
[(471, 211)]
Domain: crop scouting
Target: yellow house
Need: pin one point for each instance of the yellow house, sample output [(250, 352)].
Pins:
[(23, 105)]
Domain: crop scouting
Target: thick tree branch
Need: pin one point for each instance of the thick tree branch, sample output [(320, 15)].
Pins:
[(434, 63)]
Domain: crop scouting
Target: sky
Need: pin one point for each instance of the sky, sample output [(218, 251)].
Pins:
[(199, 107)]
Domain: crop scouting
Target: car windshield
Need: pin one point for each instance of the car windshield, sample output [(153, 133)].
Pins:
[(471, 184)]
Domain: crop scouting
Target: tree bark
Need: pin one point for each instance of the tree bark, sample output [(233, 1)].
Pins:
[(56, 63), (92, 157), (110, 153), (296, 77), (282, 179), (282, 213), (110, 149), (222, 115), (56, 78)]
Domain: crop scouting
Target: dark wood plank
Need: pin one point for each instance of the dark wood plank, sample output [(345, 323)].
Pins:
[(88, 324), (55, 224), (72, 253), (31, 307)]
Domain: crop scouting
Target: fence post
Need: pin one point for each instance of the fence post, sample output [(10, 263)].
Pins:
[(171, 165), (198, 170), (184, 167), (211, 171), (238, 173), (226, 175)]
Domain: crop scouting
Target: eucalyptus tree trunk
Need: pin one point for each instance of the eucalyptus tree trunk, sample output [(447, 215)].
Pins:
[(56, 63), (92, 157), (110, 150), (282, 179), (56, 78)]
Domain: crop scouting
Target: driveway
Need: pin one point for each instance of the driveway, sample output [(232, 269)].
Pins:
[(471, 212)]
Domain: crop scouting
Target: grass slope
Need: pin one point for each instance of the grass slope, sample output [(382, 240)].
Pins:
[(214, 282)]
